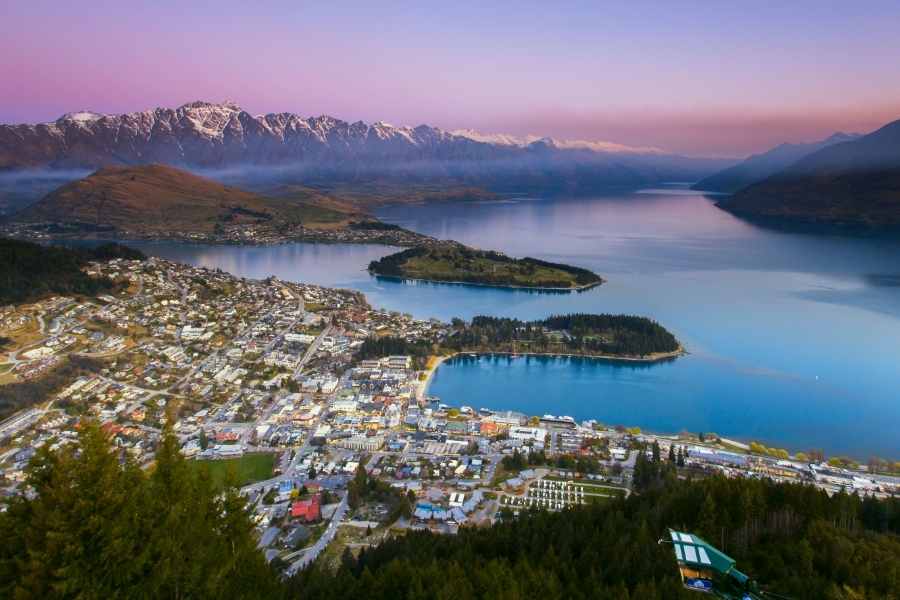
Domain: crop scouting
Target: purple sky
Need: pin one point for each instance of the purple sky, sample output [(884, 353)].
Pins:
[(713, 78)]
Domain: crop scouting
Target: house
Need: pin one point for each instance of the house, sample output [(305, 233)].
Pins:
[(308, 510)]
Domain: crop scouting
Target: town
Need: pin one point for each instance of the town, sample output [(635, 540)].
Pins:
[(267, 386)]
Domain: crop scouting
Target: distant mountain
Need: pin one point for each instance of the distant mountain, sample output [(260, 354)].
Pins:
[(850, 184), (157, 199), (759, 166), (294, 149)]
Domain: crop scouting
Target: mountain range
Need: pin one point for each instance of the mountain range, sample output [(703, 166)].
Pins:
[(208, 136), (853, 183)]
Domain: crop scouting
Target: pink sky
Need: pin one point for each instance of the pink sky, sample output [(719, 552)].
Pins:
[(705, 78)]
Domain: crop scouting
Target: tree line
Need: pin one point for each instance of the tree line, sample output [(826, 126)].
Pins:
[(380, 347), (30, 271), (622, 335)]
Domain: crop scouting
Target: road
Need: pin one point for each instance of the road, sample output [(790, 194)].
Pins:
[(313, 552)]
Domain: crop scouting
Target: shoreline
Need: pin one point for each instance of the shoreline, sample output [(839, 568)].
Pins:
[(204, 242), (502, 286)]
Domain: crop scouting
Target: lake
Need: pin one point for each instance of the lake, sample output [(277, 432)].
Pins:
[(794, 339)]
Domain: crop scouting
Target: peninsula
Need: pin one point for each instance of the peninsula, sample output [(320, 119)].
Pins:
[(623, 337), (452, 262), (616, 337)]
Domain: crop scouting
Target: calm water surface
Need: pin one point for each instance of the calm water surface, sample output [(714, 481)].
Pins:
[(794, 339)]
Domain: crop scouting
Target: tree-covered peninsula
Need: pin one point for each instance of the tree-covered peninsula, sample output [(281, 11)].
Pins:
[(616, 336), (602, 336), (455, 263)]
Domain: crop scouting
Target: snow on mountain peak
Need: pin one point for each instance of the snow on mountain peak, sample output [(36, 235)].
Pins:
[(505, 139), (227, 106), (83, 116)]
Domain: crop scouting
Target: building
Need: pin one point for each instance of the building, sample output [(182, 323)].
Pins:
[(308, 510), (528, 434), (361, 442)]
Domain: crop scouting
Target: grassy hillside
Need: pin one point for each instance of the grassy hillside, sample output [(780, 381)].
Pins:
[(162, 199), (453, 262)]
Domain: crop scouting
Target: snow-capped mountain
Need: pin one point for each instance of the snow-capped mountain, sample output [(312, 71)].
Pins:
[(204, 135), (505, 139)]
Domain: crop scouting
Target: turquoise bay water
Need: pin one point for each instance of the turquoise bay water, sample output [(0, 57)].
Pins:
[(794, 339)]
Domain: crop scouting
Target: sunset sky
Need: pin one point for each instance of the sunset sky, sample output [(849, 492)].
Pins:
[(702, 78)]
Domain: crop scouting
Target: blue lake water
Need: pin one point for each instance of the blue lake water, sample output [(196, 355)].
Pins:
[(794, 339)]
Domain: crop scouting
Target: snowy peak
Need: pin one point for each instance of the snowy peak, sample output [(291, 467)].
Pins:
[(503, 139), (82, 116)]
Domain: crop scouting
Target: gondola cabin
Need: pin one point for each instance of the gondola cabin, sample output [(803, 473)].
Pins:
[(705, 569)]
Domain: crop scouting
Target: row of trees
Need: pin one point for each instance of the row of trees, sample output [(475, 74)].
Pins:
[(380, 347), (518, 461)]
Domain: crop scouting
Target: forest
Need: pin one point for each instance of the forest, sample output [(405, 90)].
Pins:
[(98, 526), (616, 335), (31, 271)]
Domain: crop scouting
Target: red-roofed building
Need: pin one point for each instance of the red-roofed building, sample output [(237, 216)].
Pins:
[(488, 428), (307, 510)]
